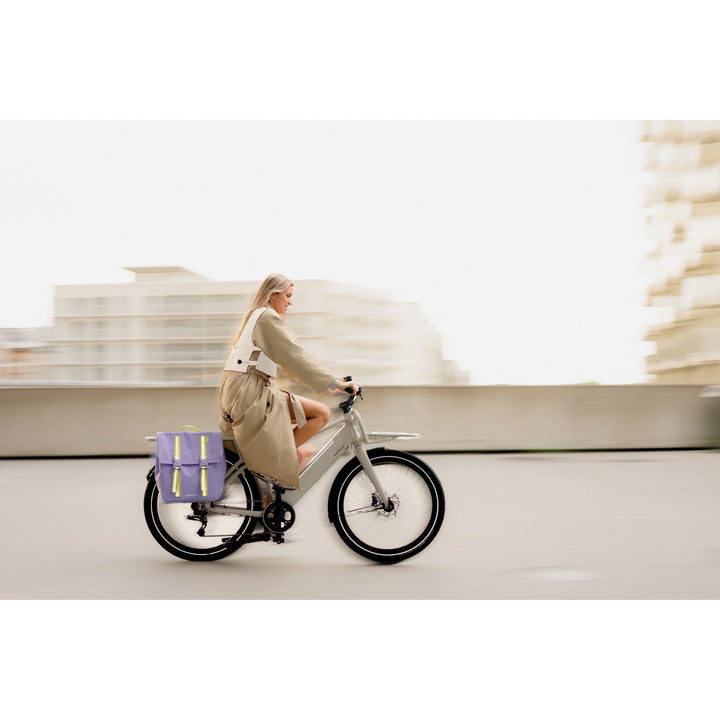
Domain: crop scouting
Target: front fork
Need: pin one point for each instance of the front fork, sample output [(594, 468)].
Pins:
[(364, 459), (359, 439)]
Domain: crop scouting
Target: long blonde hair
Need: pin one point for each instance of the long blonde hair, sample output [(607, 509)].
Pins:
[(271, 284)]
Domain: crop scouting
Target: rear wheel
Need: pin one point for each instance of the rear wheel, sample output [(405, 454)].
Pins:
[(195, 531), (408, 526)]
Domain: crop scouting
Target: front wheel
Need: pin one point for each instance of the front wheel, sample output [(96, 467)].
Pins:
[(387, 535)]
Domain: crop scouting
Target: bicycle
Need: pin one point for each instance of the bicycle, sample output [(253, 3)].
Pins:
[(386, 505)]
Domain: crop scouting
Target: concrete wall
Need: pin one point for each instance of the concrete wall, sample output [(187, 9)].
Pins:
[(65, 421)]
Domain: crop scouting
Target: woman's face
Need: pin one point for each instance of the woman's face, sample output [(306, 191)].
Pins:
[(281, 301)]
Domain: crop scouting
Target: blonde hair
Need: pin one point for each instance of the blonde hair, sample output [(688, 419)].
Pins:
[(271, 284)]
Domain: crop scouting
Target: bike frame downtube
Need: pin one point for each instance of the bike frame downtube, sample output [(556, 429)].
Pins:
[(349, 436), (340, 443)]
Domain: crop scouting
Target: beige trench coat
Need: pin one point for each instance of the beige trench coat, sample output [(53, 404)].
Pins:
[(260, 417)]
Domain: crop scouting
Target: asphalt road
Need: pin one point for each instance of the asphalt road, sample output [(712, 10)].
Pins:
[(617, 525)]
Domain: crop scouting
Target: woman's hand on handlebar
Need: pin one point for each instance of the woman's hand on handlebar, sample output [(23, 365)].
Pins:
[(343, 386)]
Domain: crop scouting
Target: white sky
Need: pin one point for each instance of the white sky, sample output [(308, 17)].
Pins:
[(521, 240)]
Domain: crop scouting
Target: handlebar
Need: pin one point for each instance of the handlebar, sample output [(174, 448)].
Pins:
[(347, 404)]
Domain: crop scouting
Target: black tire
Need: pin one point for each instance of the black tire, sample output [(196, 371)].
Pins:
[(361, 523), (170, 526)]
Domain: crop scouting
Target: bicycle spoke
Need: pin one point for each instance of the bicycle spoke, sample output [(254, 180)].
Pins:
[(361, 510)]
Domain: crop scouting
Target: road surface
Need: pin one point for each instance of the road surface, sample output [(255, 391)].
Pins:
[(625, 525)]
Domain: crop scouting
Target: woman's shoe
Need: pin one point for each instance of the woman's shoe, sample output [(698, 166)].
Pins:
[(271, 480)]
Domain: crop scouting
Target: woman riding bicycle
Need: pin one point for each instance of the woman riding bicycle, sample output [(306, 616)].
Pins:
[(261, 417)]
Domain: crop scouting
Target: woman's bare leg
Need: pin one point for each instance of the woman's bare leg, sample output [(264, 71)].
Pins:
[(317, 416), (304, 455)]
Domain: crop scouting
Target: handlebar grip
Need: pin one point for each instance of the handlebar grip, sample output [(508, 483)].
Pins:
[(348, 390), (348, 378)]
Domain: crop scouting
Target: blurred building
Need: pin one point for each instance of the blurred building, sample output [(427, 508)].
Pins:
[(172, 326), (24, 354), (683, 206)]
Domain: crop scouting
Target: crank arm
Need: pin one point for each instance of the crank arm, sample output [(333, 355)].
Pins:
[(256, 537)]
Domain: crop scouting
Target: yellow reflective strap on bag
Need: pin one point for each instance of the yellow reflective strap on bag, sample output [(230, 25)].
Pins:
[(203, 481), (176, 469), (176, 482), (203, 468)]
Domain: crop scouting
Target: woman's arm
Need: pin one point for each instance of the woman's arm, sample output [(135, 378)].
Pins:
[(277, 342)]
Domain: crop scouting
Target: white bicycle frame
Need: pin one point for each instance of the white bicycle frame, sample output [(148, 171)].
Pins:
[(349, 436)]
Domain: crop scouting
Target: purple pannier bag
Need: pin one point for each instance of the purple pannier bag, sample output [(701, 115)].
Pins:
[(190, 466)]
